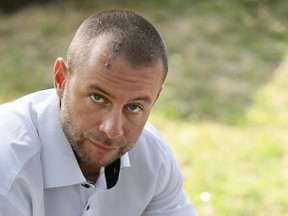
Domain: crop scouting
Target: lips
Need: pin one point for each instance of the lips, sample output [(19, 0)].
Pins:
[(103, 147)]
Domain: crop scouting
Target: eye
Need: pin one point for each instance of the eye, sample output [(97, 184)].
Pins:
[(97, 98), (134, 108)]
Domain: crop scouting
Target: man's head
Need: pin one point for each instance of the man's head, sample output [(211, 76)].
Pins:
[(117, 63), (133, 37)]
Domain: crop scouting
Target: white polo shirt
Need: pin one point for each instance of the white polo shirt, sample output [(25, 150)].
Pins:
[(39, 174)]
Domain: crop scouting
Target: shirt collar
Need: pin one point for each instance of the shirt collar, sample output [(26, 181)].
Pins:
[(60, 167)]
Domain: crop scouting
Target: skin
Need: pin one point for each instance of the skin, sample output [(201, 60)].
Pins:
[(104, 109)]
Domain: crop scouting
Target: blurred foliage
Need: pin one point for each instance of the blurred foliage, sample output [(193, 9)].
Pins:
[(221, 52), (14, 5), (173, 5)]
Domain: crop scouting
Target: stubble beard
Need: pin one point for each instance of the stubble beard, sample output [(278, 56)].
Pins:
[(77, 140)]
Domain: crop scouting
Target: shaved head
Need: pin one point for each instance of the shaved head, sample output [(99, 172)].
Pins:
[(130, 35)]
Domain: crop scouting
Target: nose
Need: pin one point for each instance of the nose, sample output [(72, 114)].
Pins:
[(112, 125)]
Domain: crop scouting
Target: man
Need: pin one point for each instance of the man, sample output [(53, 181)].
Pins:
[(85, 148)]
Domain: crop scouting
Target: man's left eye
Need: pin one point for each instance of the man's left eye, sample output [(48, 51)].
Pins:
[(134, 108)]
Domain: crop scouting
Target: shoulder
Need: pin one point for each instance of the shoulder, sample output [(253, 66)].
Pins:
[(151, 153), (18, 136), (18, 123), (156, 169), (23, 108)]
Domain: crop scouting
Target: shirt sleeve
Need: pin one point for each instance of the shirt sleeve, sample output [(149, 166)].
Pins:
[(169, 198)]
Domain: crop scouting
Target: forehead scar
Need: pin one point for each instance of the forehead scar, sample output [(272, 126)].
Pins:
[(116, 48)]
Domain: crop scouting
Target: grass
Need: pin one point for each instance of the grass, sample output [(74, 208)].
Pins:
[(224, 106), (244, 169)]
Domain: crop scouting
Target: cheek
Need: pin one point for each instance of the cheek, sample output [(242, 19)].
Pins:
[(82, 115), (88, 120)]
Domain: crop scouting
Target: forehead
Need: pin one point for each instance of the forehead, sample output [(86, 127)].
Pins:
[(108, 68), (107, 51), (106, 47)]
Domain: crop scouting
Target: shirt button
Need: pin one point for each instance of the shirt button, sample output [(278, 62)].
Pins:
[(86, 185)]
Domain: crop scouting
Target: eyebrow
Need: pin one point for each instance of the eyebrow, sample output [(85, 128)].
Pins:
[(146, 99), (97, 88)]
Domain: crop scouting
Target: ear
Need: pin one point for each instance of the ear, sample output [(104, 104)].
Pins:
[(59, 76), (158, 94)]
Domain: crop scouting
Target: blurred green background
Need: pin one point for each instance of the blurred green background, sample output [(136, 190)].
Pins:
[(224, 108)]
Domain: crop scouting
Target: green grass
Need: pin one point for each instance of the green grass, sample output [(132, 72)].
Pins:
[(224, 106), (243, 169)]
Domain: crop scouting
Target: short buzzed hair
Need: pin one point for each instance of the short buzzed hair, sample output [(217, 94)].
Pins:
[(140, 42)]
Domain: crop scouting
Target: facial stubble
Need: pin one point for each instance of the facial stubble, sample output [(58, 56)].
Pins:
[(77, 140)]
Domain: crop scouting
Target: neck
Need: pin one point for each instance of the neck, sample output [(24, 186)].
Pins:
[(91, 173)]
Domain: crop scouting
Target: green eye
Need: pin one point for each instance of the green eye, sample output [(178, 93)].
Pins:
[(134, 108), (97, 98)]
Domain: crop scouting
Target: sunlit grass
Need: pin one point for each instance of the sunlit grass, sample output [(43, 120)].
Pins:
[(239, 167)]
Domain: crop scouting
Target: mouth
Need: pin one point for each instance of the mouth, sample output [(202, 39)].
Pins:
[(103, 147)]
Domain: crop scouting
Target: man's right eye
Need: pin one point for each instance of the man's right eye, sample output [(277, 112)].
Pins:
[(97, 98)]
